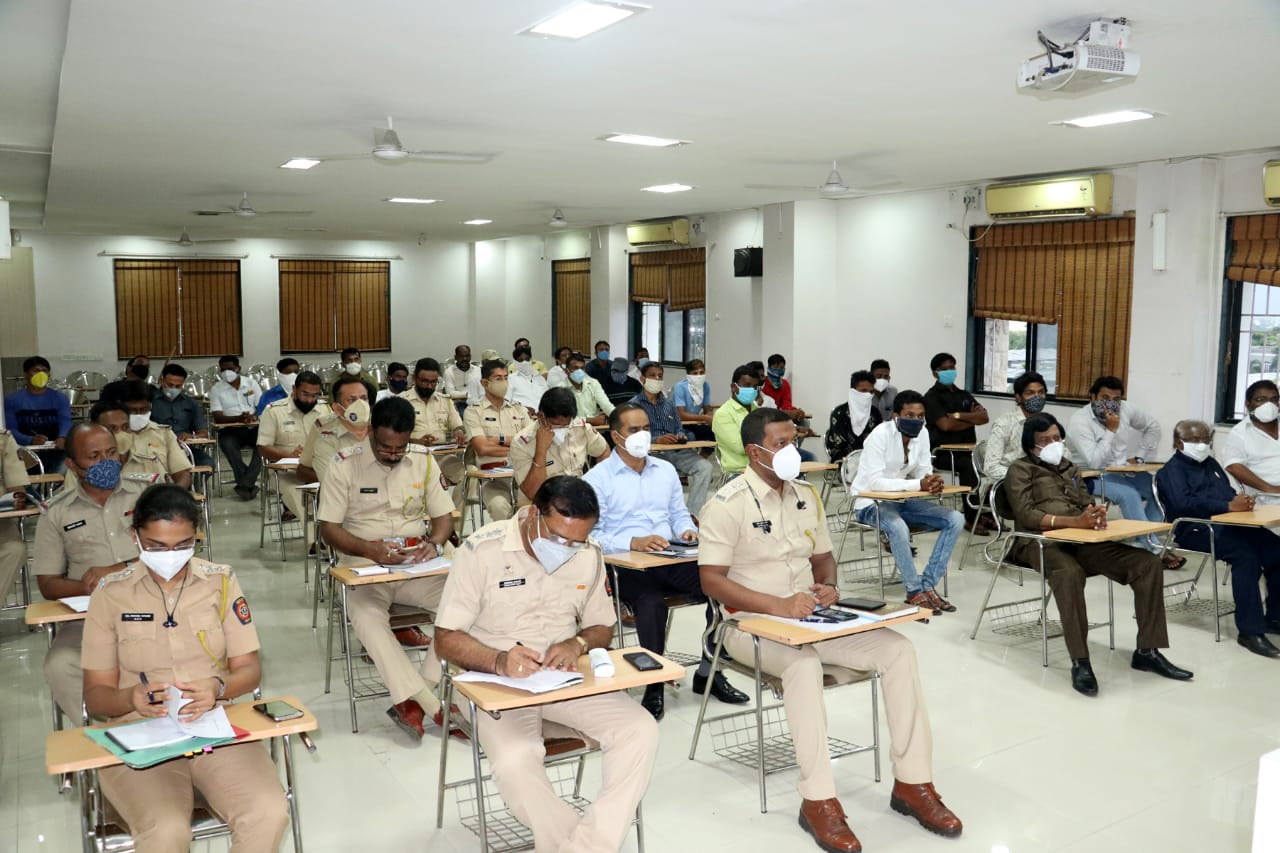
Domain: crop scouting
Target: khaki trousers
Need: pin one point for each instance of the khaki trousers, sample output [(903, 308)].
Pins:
[(239, 782), (13, 553), (369, 607), (496, 495), (289, 493), (453, 469), (800, 667), (62, 670), (628, 737)]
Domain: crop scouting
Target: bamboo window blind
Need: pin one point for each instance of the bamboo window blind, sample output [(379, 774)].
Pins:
[(328, 305), (572, 282), (177, 307)]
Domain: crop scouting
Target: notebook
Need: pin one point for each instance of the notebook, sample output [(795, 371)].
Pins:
[(542, 681), (78, 603)]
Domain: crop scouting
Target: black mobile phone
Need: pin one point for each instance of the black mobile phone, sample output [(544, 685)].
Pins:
[(278, 711), (834, 615), (642, 661), (861, 603)]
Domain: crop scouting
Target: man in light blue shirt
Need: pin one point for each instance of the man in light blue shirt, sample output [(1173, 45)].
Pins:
[(642, 509)]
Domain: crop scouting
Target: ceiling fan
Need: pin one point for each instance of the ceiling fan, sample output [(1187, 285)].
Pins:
[(557, 219), (185, 240), (388, 150), (833, 187), (246, 210)]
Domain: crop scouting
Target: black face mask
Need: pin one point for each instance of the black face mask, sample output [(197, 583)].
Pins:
[(397, 385), (304, 407), (140, 370), (424, 393)]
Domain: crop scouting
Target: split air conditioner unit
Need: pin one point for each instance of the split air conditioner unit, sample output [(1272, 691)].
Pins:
[(659, 232), (1271, 183), (1053, 198)]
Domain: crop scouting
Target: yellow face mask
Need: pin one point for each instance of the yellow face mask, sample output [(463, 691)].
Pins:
[(40, 379)]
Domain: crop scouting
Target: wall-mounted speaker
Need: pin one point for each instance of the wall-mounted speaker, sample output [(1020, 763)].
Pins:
[(748, 262)]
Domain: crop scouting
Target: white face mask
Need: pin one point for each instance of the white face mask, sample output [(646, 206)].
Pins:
[(229, 376), (1195, 450), (552, 555), (638, 444), (654, 386), (696, 388), (859, 409), (353, 367), (786, 462), (559, 434), (881, 385), (1266, 413), (137, 423), (1051, 454), (357, 414), (170, 393), (287, 380), (524, 368), (166, 564)]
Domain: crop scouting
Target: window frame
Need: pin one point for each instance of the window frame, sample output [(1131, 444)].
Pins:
[(333, 319), (181, 334), (636, 333)]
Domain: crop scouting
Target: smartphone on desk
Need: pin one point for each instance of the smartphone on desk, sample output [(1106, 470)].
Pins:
[(861, 603), (277, 711), (642, 661)]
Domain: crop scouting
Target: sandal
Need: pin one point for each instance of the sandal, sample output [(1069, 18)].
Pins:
[(1173, 561)]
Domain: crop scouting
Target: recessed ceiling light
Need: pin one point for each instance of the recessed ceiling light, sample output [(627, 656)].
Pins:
[(583, 18), (300, 163), (402, 200), (639, 139), (478, 222), (668, 188), (1102, 119)]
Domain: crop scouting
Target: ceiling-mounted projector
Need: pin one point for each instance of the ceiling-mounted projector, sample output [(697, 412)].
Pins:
[(1098, 59)]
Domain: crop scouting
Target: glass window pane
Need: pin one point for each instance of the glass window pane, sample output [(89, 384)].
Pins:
[(695, 342), (1047, 354), (672, 337), (1259, 300), (650, 330), (1004, 353)]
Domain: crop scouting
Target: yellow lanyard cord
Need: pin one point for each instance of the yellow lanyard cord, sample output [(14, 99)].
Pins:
[(220, 663)]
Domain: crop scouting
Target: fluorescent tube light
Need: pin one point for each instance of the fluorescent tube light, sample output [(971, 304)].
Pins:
[(478, 222), (1103, 119), (668, 188), (640, 139), (403, 200), (583, 18), (300, 163)]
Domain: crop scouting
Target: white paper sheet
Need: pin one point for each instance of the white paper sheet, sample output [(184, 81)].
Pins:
[(211, 724), (542, 681), (422, 568), (169, 729), (78, 603), (365, 571)]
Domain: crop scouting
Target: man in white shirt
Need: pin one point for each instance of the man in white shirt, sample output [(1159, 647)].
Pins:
[(594, 405), (883, 468), (1102, 434), (558, 375), (458, 376), (1004, 443), (526, 384), (1252, 451), (233, 402), (642, 509)]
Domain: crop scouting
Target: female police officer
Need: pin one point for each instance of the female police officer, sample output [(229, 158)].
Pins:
[(185, 622)]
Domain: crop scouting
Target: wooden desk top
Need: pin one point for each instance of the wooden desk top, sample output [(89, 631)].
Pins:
[(641, 560), (283, 466), (23, 513), (1090, 473), (41, 479), (1267, 515), (956, 447), (688, 445), (198, 442), (1136, 468), (71, 750), (768, 628), (343, 574), (811, 467), (456, 449), (496, 697), (44, 612), (902, 496), (1115, 531), (491, 474)]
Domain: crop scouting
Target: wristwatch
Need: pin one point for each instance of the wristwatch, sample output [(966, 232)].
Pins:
[(222, 687), (578, 637)]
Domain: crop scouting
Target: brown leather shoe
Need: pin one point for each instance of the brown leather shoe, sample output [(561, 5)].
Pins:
[(924, 602), (923, 803), (408, 715), (825, 821), (940, 603), (412, 637), (454, 714)]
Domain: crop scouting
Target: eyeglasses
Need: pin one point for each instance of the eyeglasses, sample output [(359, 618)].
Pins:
[(558, 539), (161, 549), (390, 452)]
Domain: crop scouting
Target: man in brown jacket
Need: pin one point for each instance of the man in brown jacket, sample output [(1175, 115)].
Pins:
[(1046, 493)]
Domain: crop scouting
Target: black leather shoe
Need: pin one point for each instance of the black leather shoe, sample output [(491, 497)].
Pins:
[(653, 701), (1259, 645), (1150, 660), (1082, 677), (1273, 626), (721, 689)]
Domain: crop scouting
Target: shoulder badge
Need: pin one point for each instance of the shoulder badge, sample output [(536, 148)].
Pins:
[(160, 426), (142, 477), (418, 448), (207, 568), (279, 404), (348, 452), (734, 487), (488, 533), (241, 608), (126, 572)]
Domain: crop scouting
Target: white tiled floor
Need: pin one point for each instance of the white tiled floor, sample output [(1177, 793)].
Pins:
[(1028, 764)]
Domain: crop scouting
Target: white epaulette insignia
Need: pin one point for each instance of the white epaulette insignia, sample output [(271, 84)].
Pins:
[(733, 487), (141, 477), (418, 448), (215, 569), (353, 450), (117, 576)]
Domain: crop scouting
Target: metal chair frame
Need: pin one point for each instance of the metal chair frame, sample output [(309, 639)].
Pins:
[(1184, 591)]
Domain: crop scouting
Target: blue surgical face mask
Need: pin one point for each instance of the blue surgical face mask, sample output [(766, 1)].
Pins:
[(910, 427), (603, 355), (577, 376), (947, 377), (747, 396), (103, 474)]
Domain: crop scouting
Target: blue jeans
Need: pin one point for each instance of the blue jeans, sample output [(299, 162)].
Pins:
[(806, 455), (1137, 502), (895, 519)]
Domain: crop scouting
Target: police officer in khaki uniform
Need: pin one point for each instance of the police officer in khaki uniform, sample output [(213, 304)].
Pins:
[(529, 593), (557, 442), (283, 429), (436, 420), (151, 463), (183, 622), (337, 431), (82, 537), (153, 447), (378, 492), (13, 478), (492, 426), (765, 550)]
